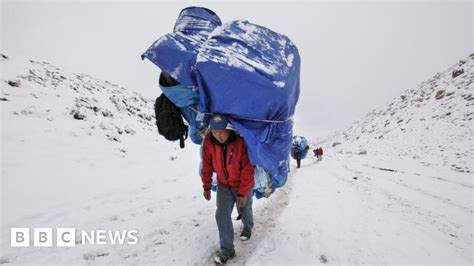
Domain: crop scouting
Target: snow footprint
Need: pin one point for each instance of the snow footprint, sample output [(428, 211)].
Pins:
[(93, 255)]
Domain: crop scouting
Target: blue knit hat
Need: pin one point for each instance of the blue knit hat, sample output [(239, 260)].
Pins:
[(219, 122)]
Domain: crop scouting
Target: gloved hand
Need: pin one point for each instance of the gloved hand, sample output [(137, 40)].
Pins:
[(241, 201), (207, 194)]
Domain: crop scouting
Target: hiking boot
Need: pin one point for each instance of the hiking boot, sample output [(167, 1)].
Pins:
[(220, 258), (245, 235)]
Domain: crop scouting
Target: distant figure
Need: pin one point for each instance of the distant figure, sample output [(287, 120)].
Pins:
[(320, 153), (316, 151), (299, 150), (295, 152)]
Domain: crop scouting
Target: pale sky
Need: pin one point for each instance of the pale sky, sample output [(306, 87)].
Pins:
[(355, 55)]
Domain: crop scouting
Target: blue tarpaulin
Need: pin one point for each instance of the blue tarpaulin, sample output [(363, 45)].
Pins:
[(251, 74), (175, 53), (244, 71)]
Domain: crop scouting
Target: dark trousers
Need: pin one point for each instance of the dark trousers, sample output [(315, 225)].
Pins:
[(225, 202)]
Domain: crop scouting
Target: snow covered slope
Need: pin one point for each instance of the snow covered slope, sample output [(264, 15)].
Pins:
[(431, 124), (56, 124), (40, 90)]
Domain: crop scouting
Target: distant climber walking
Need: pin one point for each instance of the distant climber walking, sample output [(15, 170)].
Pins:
[(320, 153)]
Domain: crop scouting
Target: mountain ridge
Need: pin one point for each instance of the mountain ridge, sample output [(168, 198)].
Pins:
[(435, 119)]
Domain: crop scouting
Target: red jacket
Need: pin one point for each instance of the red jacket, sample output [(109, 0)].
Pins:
[(229, 161)]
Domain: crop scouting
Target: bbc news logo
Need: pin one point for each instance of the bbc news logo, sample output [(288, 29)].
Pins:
[(66, 237)]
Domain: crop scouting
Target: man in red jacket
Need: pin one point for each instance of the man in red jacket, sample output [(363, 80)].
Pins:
[(225, 153)]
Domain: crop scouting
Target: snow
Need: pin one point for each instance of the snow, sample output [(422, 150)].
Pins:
[(402, 202), (175, 72), (184, 23), (190, 40), (279, 84), (289, 60), (380, 217), (179, 45), (234, 54), (160, 41)]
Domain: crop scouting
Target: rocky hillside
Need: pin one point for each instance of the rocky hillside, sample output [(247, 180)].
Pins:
[(35, 93), (431, 124)]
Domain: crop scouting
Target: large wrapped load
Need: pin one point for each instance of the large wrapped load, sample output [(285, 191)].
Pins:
[(251, 74), (244, 71)]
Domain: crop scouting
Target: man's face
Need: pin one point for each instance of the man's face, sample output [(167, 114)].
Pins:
[(221, 134)]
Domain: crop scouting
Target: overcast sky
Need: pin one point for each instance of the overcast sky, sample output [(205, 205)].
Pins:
[(356, 56)]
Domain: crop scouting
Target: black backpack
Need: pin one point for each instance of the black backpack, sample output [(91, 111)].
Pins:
[(169, 121)]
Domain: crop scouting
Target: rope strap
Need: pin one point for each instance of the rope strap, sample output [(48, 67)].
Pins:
[(246, 118)]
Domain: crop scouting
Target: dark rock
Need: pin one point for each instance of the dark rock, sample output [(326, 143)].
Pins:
[(4, 56), (457, 72), (14, 83), (112, 138), (4, 99), (387, 169), (440, 94), (107, 113), (77, 115), (129, 131), (335, 144)]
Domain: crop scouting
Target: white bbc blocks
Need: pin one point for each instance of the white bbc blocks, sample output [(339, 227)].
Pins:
[(20, 237), (43, 237), (66, 237)]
